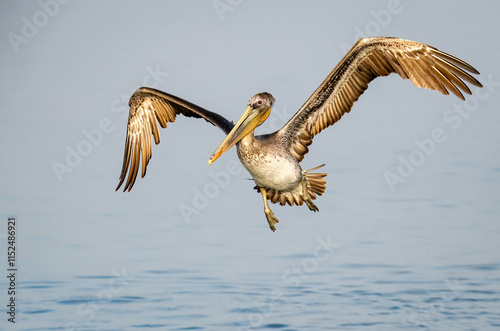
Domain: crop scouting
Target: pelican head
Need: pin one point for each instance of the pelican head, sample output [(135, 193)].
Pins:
[(258, 110)]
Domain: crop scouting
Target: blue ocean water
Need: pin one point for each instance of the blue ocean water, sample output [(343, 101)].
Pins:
[(340, 269)]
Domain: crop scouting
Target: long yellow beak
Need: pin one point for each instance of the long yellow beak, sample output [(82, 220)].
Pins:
[(248, 122)]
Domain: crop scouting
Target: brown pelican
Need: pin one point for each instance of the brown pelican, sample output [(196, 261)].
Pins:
[(274, 159)]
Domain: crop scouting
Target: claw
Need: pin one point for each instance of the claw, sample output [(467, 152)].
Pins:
[(271, 219), (311, 205)]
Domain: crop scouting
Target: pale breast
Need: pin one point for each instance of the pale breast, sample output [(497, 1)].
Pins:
[(269, 166)]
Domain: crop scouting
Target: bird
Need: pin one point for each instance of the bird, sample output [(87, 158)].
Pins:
[(273, 160)]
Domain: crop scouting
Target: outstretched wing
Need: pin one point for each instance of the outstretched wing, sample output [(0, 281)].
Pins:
[(369, 58), (148, 107)]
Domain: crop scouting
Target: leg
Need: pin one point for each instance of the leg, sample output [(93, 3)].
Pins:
[(271, 219), (307, 198)]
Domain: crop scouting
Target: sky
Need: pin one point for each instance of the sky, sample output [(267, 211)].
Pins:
[(68, 69)]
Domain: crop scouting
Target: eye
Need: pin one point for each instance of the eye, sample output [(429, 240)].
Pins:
[(259, 102)]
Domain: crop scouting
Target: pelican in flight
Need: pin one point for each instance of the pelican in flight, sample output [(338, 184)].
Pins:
[(274, 159)]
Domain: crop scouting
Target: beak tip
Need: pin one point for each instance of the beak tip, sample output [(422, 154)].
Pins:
[(214, 157)]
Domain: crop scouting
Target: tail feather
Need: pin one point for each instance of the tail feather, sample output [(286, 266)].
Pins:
[(316, 185)]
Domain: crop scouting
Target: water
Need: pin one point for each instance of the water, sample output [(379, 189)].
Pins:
[(322, 271), (424, 256), (351, 297)]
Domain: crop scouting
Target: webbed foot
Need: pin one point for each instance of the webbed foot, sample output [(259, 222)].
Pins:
[(307, 198), (271, 219), (311, 205)]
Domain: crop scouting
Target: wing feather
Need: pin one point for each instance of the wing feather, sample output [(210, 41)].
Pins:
[(439, 77), (148, 108), (369, 58)]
